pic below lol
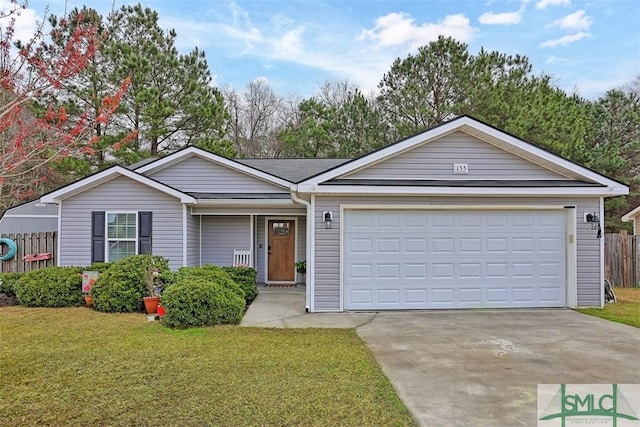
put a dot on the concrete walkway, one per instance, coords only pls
(283, 307)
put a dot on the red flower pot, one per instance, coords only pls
(151, 304)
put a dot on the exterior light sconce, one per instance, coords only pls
(328, 219)
(594, 220)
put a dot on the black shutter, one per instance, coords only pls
(97, 237)
(144, 232)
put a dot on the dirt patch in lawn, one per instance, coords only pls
(7, 300)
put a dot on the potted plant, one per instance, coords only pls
(152, 301)
(301, 268)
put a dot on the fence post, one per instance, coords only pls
(625, 258)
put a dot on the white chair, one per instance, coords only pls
(241, 258)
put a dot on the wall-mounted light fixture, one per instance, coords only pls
(328, 219)
(594, 220)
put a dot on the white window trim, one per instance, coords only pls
(107, 240)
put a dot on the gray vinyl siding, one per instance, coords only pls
(32, 217)
(193, 240)
(327, 242)
(260, 249)
(435, 159)
(221, 235)
(199, 175)
(588, 258)
(327, 255)
(120, 195)
(301, 254)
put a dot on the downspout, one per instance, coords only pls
(310, 263)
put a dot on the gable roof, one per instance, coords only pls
(191, 151)
(293, 170)
(483, 132)
(107, 175)
(631, 216)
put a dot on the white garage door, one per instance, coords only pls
(420, 259)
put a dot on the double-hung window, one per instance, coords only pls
(122, 233)
(115, 235)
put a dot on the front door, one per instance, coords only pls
(281, 250)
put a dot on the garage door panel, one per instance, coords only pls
(470, 245)
(388, 246)
(470, 295)
(447, 259)
(416, 296)
(360, 297)
(415, 271)
(415, 246)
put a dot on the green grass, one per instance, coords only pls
(626, 310)
(75, 366)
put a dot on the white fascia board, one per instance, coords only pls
(195, 151)
(529, 148)
(467, 191)
(631, 216)
(107, 175)
(473, 127)
(245, 202)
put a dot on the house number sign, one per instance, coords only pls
(460, 168)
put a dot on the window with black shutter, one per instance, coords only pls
(116, 235)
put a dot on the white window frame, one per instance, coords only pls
(108, 240)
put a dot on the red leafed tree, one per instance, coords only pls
(34, 135)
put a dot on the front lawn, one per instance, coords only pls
(76, 366)
(626, 310)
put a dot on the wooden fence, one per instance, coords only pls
(35, 250)
(622, 259)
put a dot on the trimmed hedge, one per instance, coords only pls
(246, 278)
(122, 285)
(9, 283)
(50, 287)
(195, 301)
(100, 267)
(212, 273)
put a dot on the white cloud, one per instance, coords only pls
(565, 40)
(542, 4)
(555, 60)
(574, 22)
(399, 29)
(26, 21)
(290, 42)
(262, 79)
(505, 18)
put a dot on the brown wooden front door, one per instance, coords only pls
(281, 248)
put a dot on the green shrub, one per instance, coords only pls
(9, 283)
(51, 287)
(123, 284)
(212, 273)
(246, 278)
(100, 267)
(197, 301)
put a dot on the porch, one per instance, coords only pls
(271, 242)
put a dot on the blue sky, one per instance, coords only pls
(587, 46)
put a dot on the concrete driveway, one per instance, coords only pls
(481, 368)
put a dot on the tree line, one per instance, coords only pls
(169, 102)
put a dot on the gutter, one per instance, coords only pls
(310, 263)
